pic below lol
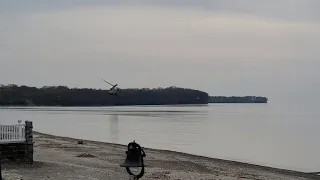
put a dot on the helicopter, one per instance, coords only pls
(114, 90)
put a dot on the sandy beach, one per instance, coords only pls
(62, 158)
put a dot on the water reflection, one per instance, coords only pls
(114, 128)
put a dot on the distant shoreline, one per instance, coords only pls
(137, 105)
(237, 102)
(13, 95)
(237, 99)
(144, 105)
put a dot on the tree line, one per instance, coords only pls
(237, 99)
(13, 95)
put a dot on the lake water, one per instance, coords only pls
(283, 136)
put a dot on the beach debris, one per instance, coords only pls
(87, 155)
(315, 173)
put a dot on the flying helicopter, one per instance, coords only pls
(114, 90)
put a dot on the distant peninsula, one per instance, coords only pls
(237, 99)
(13, 95)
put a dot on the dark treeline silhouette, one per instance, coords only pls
(234, 99)
(13, 95)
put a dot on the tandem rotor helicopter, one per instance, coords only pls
(114, 90)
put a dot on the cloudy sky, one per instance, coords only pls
(223, 47)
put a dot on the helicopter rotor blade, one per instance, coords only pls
(107, 82)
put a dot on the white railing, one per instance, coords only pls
(12, 133)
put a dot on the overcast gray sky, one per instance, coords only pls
(223, 47)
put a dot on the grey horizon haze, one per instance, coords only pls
(222, 47)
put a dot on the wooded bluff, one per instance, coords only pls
(13, 95)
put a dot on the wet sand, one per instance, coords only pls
(62, 158)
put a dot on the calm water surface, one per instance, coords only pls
(274, 135)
